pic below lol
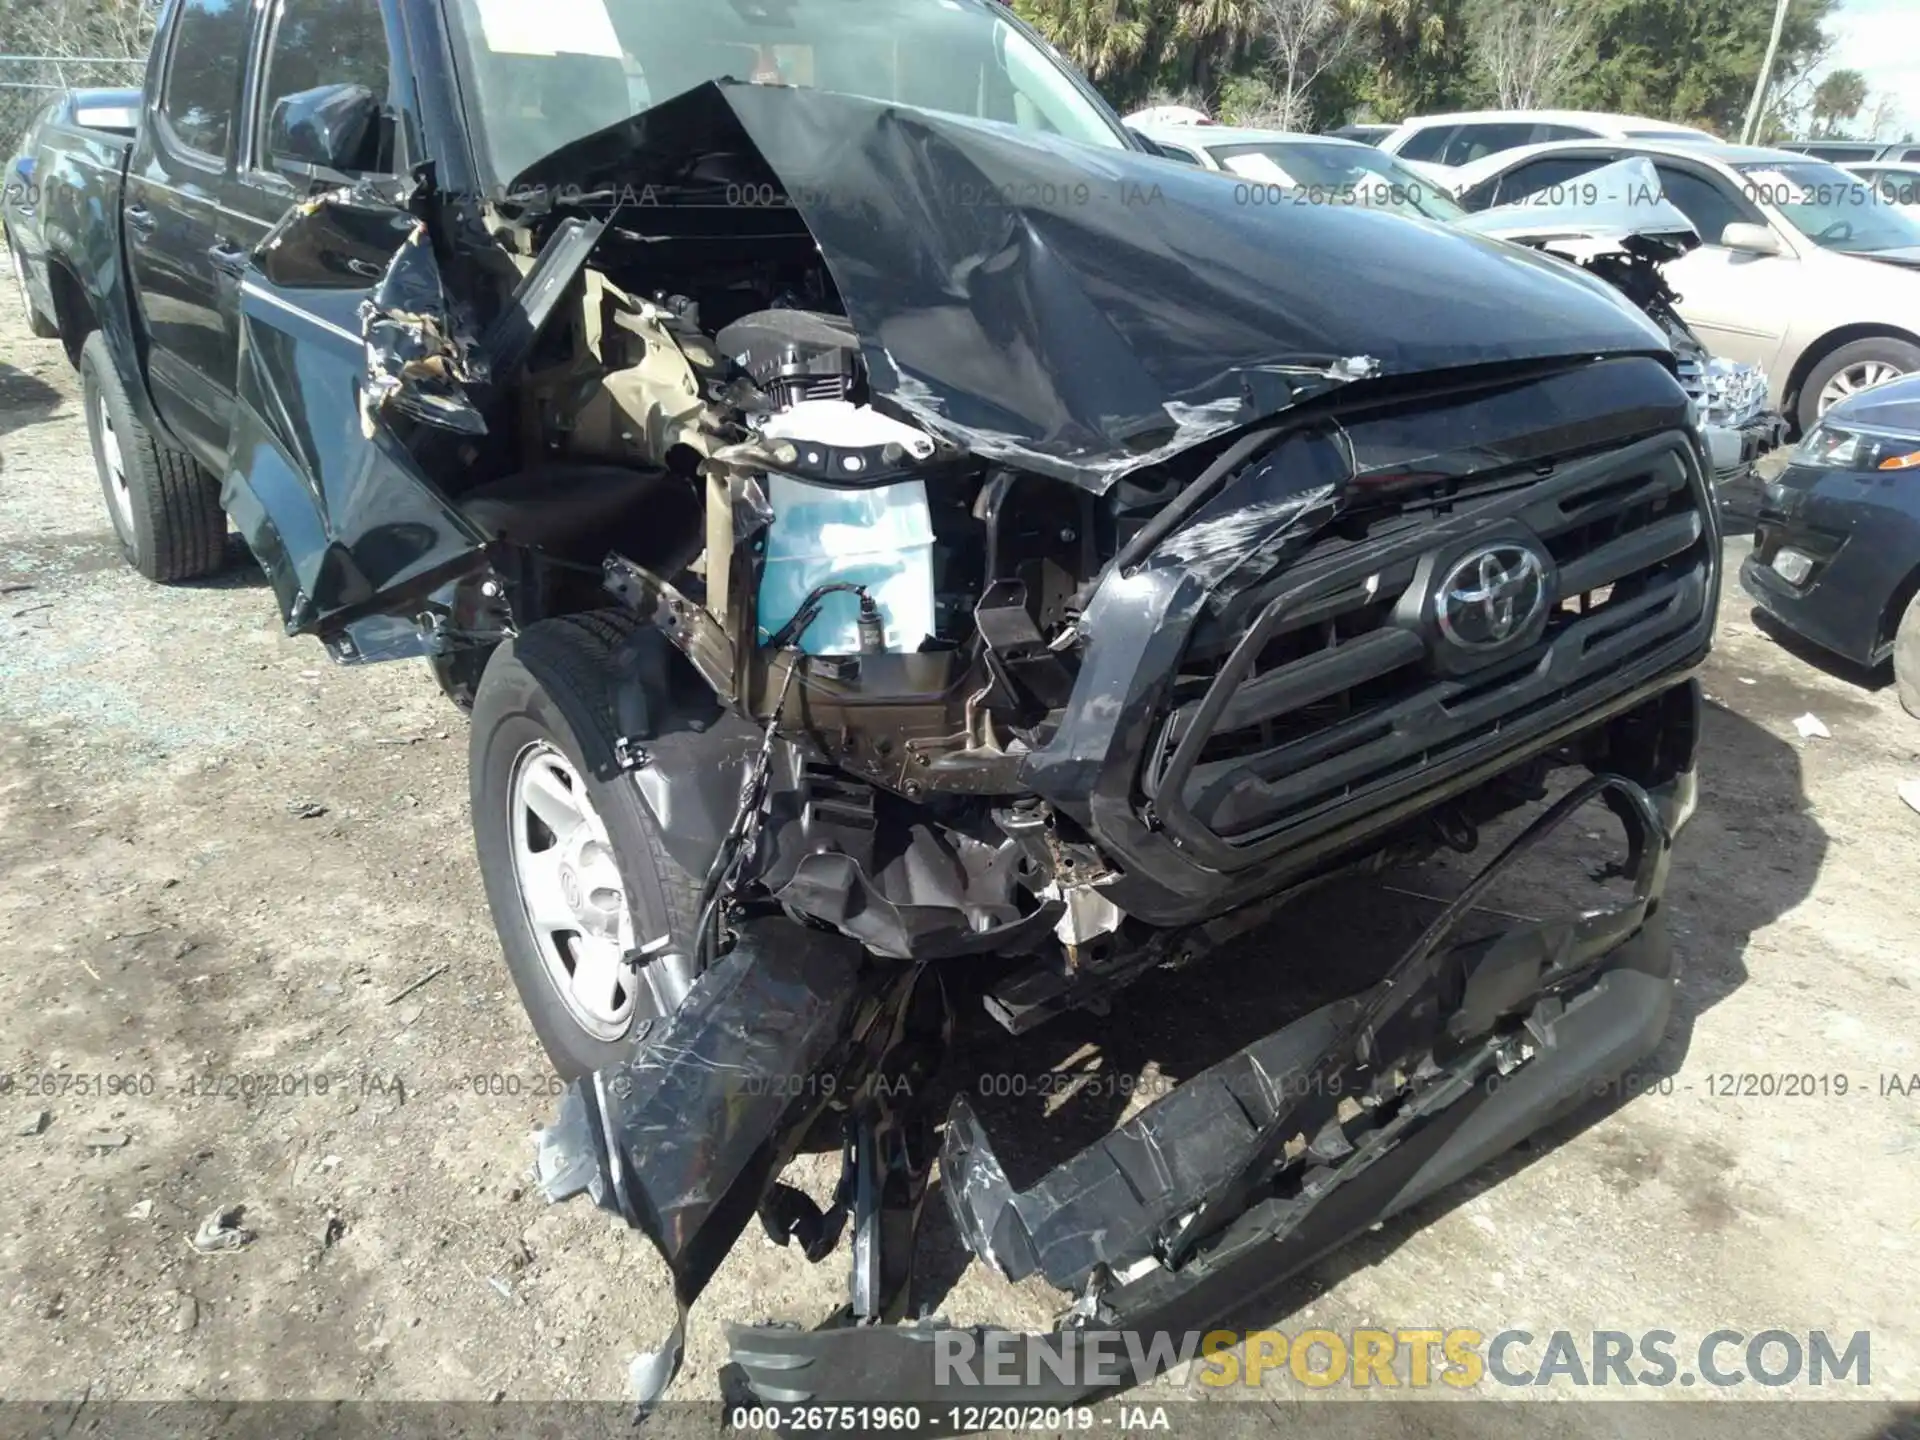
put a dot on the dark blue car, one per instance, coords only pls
(1836, 557)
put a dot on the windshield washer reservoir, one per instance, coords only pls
(880, 537)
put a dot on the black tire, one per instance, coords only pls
(538, 688)
(40, 325)
(1881, 349)
(1906, 659)
(171, 526)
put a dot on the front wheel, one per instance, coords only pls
(577, 876)
(1853, 368)
(165, 509)
(1906, 659)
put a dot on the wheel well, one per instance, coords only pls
(1896, 607)
(72, 311)
(1830, 342)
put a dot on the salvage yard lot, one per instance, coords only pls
(227, 866)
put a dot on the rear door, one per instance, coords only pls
(180, 246)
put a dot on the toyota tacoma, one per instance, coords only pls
(904, 543)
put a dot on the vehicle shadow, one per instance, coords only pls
(24, 400)
(1866, 677)
(1739, 507)
(238, 570)
(1751, 853)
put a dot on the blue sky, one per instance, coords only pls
(1882, 39)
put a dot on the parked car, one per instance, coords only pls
(900, 540)
(1441, 144)
(108, 111)
(1804, 270)
(1896, 184)
(1607, 226)
(1168, 115)
(1313, 169)
(1836, 554)
(1365, 134)
(1851, 152)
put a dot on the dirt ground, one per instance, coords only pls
(168, 920)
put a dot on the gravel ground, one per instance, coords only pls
(166, 915)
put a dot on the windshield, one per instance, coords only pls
(1830, 207)
(542, 73)
(1336, 175)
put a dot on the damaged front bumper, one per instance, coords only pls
(1734, 450)
(1202, 1202)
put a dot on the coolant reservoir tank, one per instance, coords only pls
(880, 537)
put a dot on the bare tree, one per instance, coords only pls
(66, 29)
(1302, 41)
(1884, 118)
(1530, 49)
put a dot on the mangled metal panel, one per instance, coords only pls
(420, 347)
(1605, 205)
(1080, 311)
(343, 298)
(684, 1137)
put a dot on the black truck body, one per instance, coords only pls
(1226, 557)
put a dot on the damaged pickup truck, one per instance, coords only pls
(904, 544)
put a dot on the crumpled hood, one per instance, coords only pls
(1605, 205)
(1082, 311)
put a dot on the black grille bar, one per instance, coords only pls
(1341, 690)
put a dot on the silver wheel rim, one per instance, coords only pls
(1864, 376)
(571, 892)
(116, 472)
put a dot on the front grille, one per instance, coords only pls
(1692, 372)
(1337, 688)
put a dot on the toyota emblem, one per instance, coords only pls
(1490, 595)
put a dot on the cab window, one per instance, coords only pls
(1426, 144)
(1530, 179)
(1472, 142)
(324, 42)
(203, 74)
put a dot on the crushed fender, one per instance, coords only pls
(685, 1137)
(419, 361)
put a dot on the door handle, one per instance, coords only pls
(227, 256)
(139, 220)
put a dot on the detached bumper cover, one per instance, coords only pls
(1735, 449)
(1240, 1177)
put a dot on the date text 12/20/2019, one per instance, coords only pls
(943, 1419)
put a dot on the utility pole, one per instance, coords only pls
(1766, 73)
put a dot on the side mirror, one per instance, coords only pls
(330, 128)
(1750, 239)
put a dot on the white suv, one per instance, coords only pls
(1441, 143)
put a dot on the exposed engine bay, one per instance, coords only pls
(1055, 591)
